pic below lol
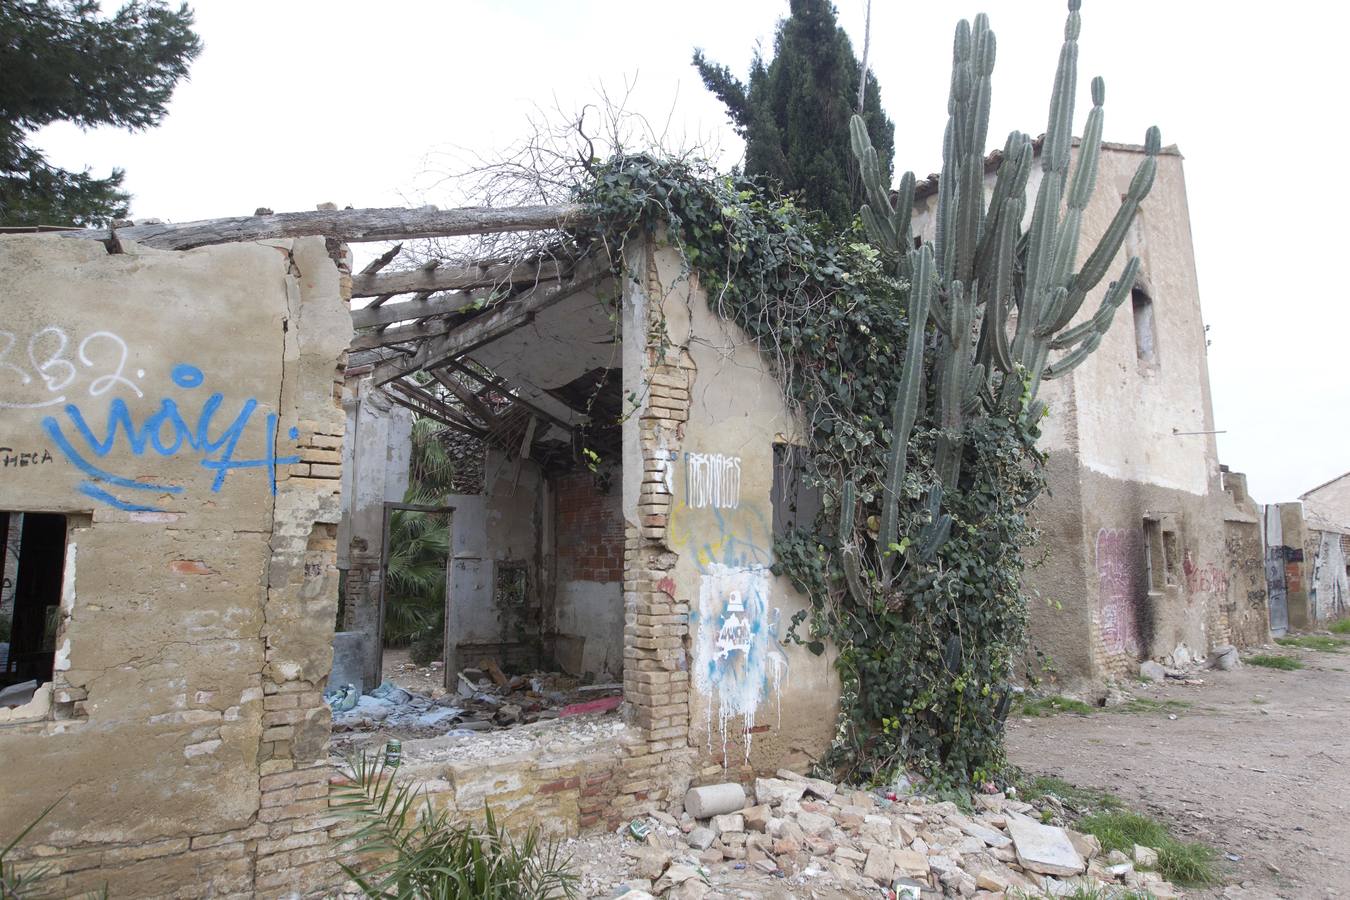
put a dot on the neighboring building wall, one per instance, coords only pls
(1245, 614)
(588, 600)
(374, 472)
(1328, 506)
(188, 403)
(1142, 444)
(1329, 593)
(494, 533)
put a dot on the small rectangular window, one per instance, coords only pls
(795, 503)
(1154, 555)
(32, 563)
(1145, 332)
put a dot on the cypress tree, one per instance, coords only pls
(793, 112)
(61, 61)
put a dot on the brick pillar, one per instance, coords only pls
(656, 615)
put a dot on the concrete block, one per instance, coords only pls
(714, 800)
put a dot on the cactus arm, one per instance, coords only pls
(996, 319)
(1071, 360)
(848, 548)
(956, 366)
(1094, 268)
(1101, 319)
(907, 399)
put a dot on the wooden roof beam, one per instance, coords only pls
(350, 225)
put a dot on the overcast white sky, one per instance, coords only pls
(298, 102)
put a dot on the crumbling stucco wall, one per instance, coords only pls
(184, 408)
(712, 411)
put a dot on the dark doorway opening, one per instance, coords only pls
(32, 559)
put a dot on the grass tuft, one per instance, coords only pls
(1179, 861)
(1036, 707)
(1147, 704)
(1313, 642)
(1043, 785)
(1270, 661)
(1341, 627)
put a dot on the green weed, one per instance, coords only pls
(1146, 704)
(1270, 661)
(1179, 861)
(1072, 795)
(1341, 627)
(1313, 642)
(1037, 707)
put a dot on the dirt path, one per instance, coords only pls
(1258, 766)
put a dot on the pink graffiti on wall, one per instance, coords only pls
(1204, 577)
(1121, 587)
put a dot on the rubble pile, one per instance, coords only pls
(486, 700)
(841, 842)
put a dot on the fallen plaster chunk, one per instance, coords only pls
(205, 748)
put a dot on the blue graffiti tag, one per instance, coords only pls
(167, 432)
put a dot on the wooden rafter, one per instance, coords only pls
(443, 413)
(401, 335)
(453, 279)
(411, 309)
(499, 384)
(351, 225)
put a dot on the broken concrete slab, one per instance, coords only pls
(774, 791)
(1044, 848)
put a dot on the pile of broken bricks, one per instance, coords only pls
(808, 831)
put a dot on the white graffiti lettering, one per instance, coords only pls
(47, 357)
(712, 480)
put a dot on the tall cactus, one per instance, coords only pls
(981, 268)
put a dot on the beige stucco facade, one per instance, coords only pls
(1142, 547)
(183, 409)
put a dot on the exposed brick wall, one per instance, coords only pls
(590, 529)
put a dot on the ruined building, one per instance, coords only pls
(199, 448)
(1307, 545)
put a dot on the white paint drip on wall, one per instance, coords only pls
(712, 480)
(738, 661)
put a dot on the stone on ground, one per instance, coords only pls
(701, 838)
(1146, 857)
(1044, 848)
(1152, 671)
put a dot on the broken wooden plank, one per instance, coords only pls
(435, 408)
(604, 704)
(471, 401)
(380, 261)
(454, 279)
(401, 335)
(351, 225)
(408, 403)
(411, 309)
